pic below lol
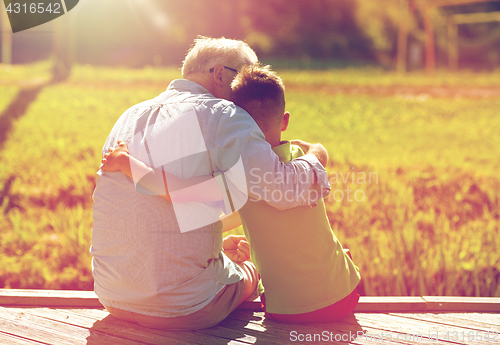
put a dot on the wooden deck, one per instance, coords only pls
(76, 317)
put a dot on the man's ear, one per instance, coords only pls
(284, 124)
(217, 75)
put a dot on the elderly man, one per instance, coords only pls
(161, 265)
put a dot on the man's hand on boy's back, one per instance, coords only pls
(317, 150)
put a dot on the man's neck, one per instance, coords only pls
(273, 140)
(201, 80)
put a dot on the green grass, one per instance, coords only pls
(125, 76)
(25, 73)
(379, 77)
(428, 223)
(388, 132)
(431, 219)
(51, 158)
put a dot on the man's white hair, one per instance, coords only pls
(208, 52)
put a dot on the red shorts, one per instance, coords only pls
(333, 312)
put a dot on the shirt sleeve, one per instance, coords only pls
(300, 182)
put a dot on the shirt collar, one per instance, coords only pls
(283, 151)
(187, 85)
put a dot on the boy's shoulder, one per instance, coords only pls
(287, 152)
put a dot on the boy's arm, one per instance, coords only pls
(119, 159)
(236, 248)
(231, 221)
(300, 182)
(317, 150)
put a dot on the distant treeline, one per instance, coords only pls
(135, 33)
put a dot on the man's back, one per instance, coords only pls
(142, 262)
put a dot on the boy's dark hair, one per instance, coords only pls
(261, 93)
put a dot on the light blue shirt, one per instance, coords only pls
(142, 262)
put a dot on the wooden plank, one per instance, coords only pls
(251, 305)
(49, 298)
(59, 315)
(246, 327)
(266, 331)
(42, 330)
(234, 332)
(170, 337)
(487, 318)
(389, 304)
(244, 331)
(69, 298)
(392, 332)
(80, 324)
(419, 329)
(452, 320)
(110, 326)
(13, 340)
(373, 330)
(220, 334)
(97, 314)
(369, 333)
(463, 304)
(99, 320)
(347, 328)
(193, 338)
(88, 299)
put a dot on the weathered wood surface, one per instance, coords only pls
(88, 299)
(42, 325)
(449, 303)
(408, 322)
(49, 298)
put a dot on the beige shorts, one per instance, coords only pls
(227, 300)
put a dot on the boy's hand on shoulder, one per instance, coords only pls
(317, 150)
(236, 248)
(304, 145)
(115, 158)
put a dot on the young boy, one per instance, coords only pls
(306, 274)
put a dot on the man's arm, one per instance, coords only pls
(300, 182)
(199, 188)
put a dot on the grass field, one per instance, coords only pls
(427, 223)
